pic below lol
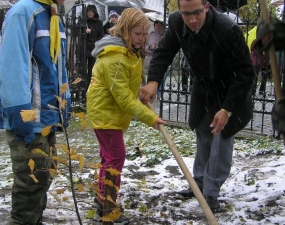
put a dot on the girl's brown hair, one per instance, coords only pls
(130, 18)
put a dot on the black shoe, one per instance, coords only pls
(213, 202)
(99, 210)
(188, 193)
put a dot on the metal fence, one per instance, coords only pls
(174, 103)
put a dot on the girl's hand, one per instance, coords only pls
(158, 121)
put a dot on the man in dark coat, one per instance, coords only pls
(221, 103)
(94, 32)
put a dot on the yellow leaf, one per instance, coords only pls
(100, 196)
(63, 104)
(108, 182)
(63, 88)
(73, 114)
(81, 162)
(83, 124)
(95, 166)
(77, 80)
(75, 157)
(59, 160)
(64, 147)
(60, 191)
(57, 146)
(96, 175)
(72, 151)
(58, 125)
(90, 214)
(55, 196)
(94, 186)
(109, 198)
(117, 188)
(59, 99)
(65, 198)
(113, 171)
(46, 131)
(29, 115)
(81, 115)
(52, 172)
(50, 151)
(34, 178)
(112, 216)
(39, 151)
(80, 159)
(31, 165)
(80, 187)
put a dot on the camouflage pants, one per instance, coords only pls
(28, 197)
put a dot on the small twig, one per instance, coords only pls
(70, 172)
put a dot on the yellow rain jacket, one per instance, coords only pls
(112, 96)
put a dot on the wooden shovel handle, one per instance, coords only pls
(202, 202)
(272, 56)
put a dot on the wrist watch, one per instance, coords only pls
(227, 112)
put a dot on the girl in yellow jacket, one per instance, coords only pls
(112, 96)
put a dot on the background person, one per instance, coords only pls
(186, 75)
(261, 63)
(221, 98)
(32, 70)
(113, 19)
(94, 32)
(151, 44)
(112, 97)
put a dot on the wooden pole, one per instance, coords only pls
(272, 56)
(199, 196)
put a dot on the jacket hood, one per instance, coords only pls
(108, 40)
(94, 9)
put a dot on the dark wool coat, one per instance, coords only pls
(97, 31)
(221, 64)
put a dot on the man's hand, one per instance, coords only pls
(219, 122)
(148, 92)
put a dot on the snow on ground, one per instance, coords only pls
(254, 193)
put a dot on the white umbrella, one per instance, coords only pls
(234, 17)
(155, 16)
(76, 10)
(277, 3)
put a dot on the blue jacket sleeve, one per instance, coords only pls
(23, 130)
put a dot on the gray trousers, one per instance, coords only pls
(213, 158)
(28, 197)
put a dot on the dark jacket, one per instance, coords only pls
(107, 26)
(221, 64)
(97, 32)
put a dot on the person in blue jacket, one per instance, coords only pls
(32, 72)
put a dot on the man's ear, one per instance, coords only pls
(207, 6)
